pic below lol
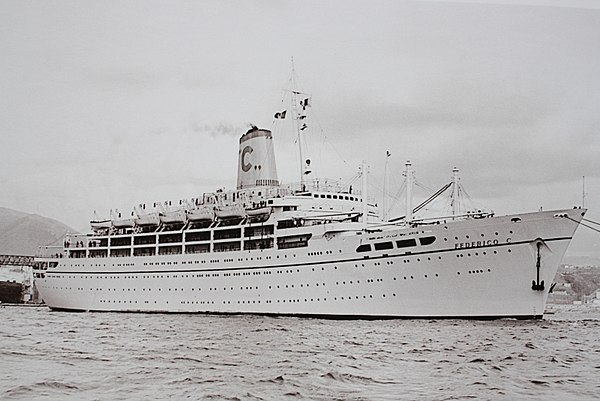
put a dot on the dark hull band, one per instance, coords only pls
(315, 316)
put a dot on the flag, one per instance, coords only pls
(304, 103)
(280, 114)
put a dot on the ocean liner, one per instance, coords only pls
(313, 249)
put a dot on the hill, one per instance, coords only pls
(574, 283)
(22, 233)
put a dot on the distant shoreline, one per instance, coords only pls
(25, 305)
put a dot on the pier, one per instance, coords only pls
(15, 292)
(16, 260)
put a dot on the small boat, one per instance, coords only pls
(259, 212)
(230, 212)
(173, 216)
(124, 223)
(100, 224)
(148, 219)
(201, 214)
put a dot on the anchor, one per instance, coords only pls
(536, 285)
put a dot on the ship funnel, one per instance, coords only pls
(256, 162)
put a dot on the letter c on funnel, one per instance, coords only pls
(246, 166)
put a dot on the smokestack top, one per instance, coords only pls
(255, 132)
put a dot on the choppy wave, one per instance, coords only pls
(48, 356)
(32, 391)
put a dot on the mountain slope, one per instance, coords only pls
(8, 218)
(22, 233)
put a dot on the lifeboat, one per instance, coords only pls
(201, 214)
(230, 212)
(100, 225)
(259, 212)
(120, 222)
(148, 219)
(173, 216)
(124, 223)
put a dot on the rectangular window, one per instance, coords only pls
(198, 236)
(228, 233)
(293, 241)
(382, 246)
(404, 243)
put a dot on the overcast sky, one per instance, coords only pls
(110, 104)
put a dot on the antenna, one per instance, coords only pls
(295, 92)
(408, 173)
(454, 196)
(364, 191)
(300, 100)
(385, 186)
(583, 194)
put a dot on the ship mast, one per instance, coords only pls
(300, 124)
(385, 186)
(364, 192)
(454, 196)
(583, 194)
(408, 173)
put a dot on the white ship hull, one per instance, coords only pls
(474, 268)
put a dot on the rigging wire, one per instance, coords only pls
(591, 221)
(396, 198)
(583, 224)
(432, 197)
(313, 134)
(458, 197)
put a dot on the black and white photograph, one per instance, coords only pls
(299, 200)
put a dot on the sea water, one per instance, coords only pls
(128, 356)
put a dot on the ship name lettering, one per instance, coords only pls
(476, 244)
